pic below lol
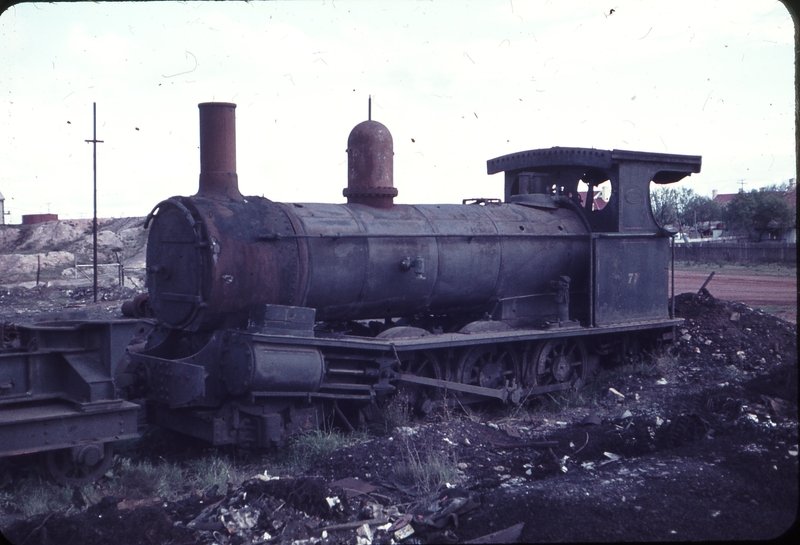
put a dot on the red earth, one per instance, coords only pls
(751, 289)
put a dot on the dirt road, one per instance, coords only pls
(754, 290)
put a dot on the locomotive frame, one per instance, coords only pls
(268, 314)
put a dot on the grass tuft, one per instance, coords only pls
(427, 472)
(306, 449)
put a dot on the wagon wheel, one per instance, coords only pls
(488, 366)
(556, 361)
(79, 465)
(421, 364)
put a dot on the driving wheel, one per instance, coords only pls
(556, 361)
(488, 366)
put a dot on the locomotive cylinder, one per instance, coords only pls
(251, 366)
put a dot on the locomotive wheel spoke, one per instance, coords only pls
(556, 361)
(488, 366)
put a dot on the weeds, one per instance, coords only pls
(661, 362)
(35, 496)
(427, 472)
(210, 471)
(307, 448)
(143, 480)
(397, 412)
(169, 481)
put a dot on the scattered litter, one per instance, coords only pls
(620, 395)
(511, 431)
(404, 532)
(236, 520)
(591, 419)
(265, 476)
(662, 381)
(364, 535)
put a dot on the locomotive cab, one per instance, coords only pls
(628, 250)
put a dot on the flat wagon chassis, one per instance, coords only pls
(58, 396)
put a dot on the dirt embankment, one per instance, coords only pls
(60, 252)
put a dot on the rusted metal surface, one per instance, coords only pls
(138, 307)
(370, 166)
(202, 271)
(432, 258)
(631, 279)
(205, 269)
(218, 178)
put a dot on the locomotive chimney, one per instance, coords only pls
(218, 179)
(370, 166)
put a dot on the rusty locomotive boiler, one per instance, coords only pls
(270, 315)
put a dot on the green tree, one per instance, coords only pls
(759, 211)
(700, 209)
(671, 205)
(663, 203)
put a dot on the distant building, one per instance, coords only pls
(2, 210)
(30, 219)
(601, 197)
(722, 198)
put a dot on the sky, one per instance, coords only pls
(456, 83)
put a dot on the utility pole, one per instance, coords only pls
(94, 142)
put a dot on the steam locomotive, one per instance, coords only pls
(270, 316)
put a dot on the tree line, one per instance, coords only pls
(753, 213)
